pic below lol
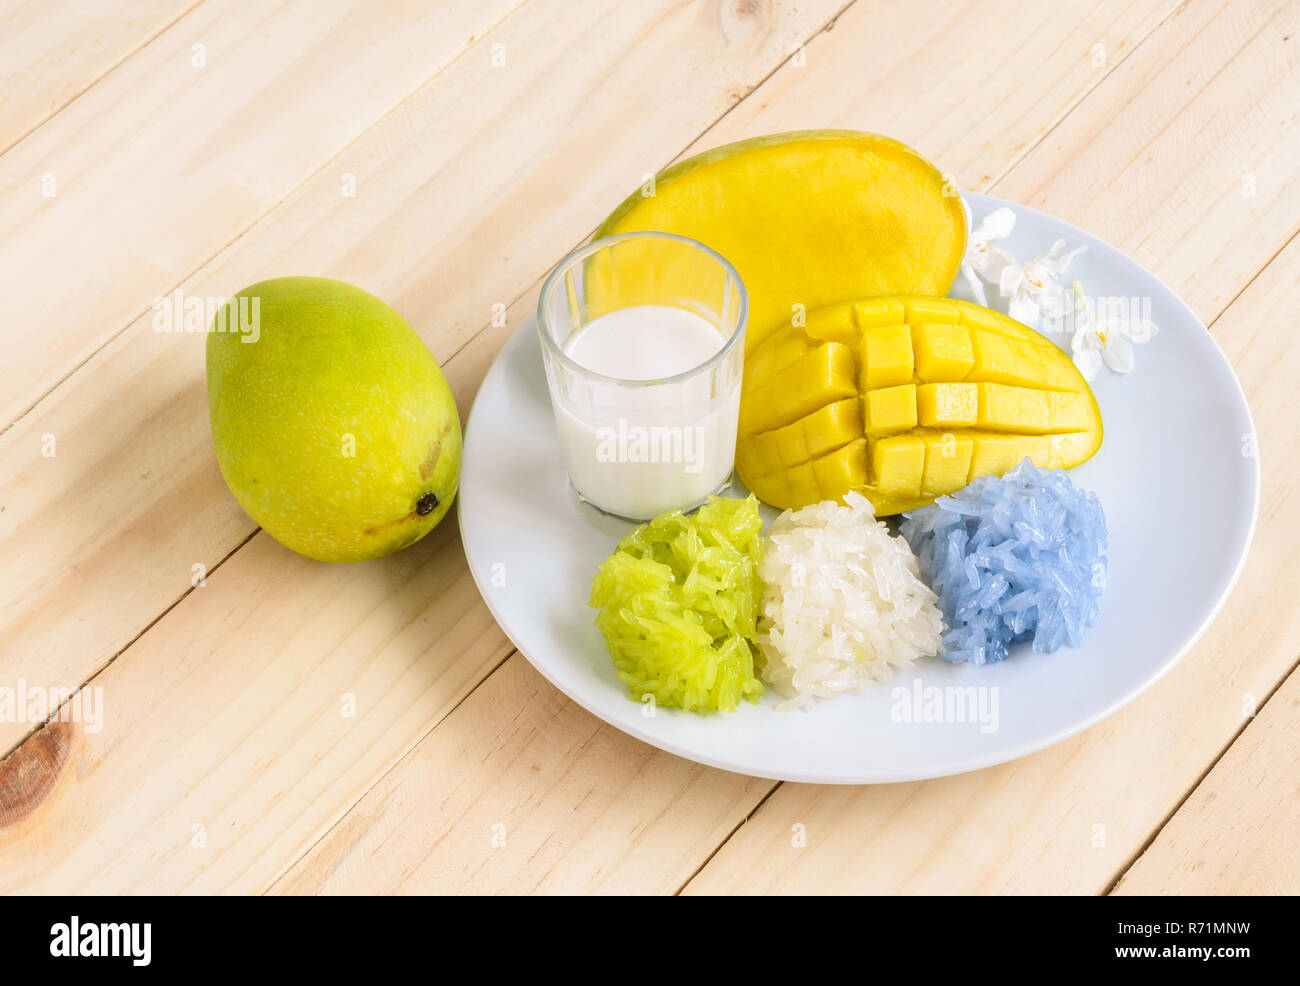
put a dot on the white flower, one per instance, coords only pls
(983, 260)
(1107, 338)
(1035, 288)
(1029, 290)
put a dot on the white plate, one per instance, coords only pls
(1177, 476)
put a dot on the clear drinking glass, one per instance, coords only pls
(646, 399)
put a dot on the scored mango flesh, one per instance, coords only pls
(904, 399)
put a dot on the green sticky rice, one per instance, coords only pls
(678, 603)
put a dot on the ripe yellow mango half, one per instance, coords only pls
(904, 399)
(809, 218)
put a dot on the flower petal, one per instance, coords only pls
(1118, 352)
(990, 262)
(1024, 309)
(1139, 330)
(1053, 300)
(1010, 278)
(1057, 264)
(997, 225)
(1088, 360)
(975, 285)
(1083, 338)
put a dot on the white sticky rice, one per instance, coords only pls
(844, 607)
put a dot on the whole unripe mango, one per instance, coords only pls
(333, 425)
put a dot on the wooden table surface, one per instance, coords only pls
(269, 724)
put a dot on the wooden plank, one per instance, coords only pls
(1237, 834)
(1069, 819)
(135, 185)
(258, 756)
(86, 565)
(52, 52)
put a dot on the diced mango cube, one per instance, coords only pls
(840, 471)
(947, 461)
(803, 484)
(890, 410)
(834, 324)
(939, 311)
(773, 487)
(754, 458)
(943, 352)
(1063, 451)
(1030, 411)
(977, 317)
(897, 464)
(823, 430)
(877, 311)
(1002, 359)
(793, 484)
(886, 357)
(995, 454)
(1069, 411)
(947, 405)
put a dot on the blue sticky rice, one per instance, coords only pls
(1012, 558)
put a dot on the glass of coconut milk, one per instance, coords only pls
(643, 338)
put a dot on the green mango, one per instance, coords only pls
(333, 425)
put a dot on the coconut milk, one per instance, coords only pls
(637, 451)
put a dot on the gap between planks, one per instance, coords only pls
(1173, 12)
(127, 646)
(126, 56)
(1155, 834)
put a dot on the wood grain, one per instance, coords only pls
(52, 52)
(1208, 139)
(973, 86)
(1186, 71)
(547, 799)
(136, 184)
(1239, 832)
(257, 710)
(227, 752)
(1236, 833)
